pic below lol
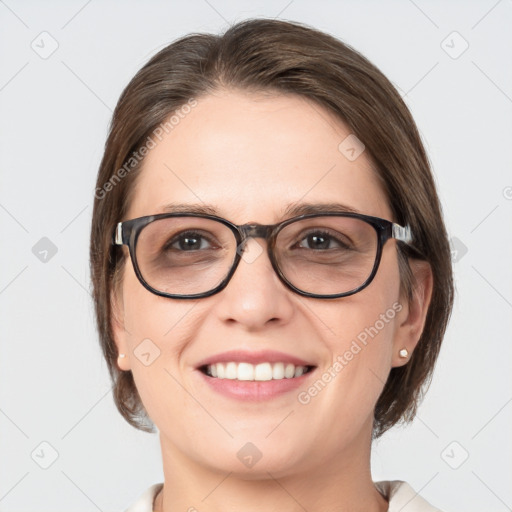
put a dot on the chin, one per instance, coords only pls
(253, 460)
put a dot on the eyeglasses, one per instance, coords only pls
(321, 255)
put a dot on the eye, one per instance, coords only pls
(322, 240)
(189, 241)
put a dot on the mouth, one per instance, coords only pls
(244, 371)
(254, 375)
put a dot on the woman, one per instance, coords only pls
(271, 271)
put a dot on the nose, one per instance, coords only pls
(255, 296)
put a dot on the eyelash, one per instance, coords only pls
(189, 234)
(324, 234)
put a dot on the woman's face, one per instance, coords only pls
(249, 157)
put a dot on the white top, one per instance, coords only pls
(401, 496)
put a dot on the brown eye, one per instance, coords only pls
(189, 241)
(321, 240)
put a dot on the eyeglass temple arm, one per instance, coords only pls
(401, 233)
(118, 239)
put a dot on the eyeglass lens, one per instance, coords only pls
(319, 255)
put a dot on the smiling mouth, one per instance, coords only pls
(255, 372)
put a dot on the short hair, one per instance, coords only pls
(276, 56)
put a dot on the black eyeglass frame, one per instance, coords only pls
(127, 233)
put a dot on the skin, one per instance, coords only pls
(250, 155)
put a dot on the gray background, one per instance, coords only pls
(55, 109)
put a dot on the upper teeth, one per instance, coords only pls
(248, 371)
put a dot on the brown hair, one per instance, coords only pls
(289, 58)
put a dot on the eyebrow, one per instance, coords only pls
(290, 210)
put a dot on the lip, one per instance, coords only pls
(254, 391)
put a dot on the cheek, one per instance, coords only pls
(369, 314)
(344, 394)
(360, 343)
(149, 316)
(157, 329)
(365, 355)
(361, 340)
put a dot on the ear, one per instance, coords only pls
(117, 322)
(411, 319)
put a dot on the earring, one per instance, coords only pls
(122, 355)
(403, 353)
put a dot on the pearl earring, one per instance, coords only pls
(122, 355)
(403, 353)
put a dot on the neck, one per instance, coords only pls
(343, 482)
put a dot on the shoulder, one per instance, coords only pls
(144, 502)
(403, 497)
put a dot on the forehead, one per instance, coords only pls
(250, 156)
